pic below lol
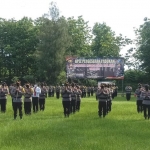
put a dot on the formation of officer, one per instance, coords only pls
(32, 97)
(71, 98)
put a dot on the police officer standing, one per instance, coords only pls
(3, 97)
(102, 96)
(146, 101)
(42, 97)
(28, 99)
(128, 90)
(66, 98)
(57, 91)
(17, 94)
(139, 99)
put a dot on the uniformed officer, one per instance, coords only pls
(17, 94)
(57, 91)
(128, 90)
(145, 95)
(28, 99)
(102, 96)
(139, 99)
(42, 97)
(3, 96)
(66, 99)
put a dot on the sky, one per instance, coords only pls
(121, 15)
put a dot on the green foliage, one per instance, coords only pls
(143, 45)
(15, 79)
(61, 78)
(29, 78)
(105, 42)
(133, 77)
(80, 34)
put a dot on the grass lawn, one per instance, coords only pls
(121, 129)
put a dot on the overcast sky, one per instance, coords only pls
(120, 15)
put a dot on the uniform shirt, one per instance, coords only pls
(28, 95)
(3, 92)
(17, 95)
(43, 93)
(145, 95)
(102, 95)
(138, 93)
(128, 90)
(66, 95)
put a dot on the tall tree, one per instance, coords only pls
(18, 42)
(143, 45)
(54, 40)
(81, 37)
(105, 42)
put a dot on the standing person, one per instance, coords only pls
(53, 91)
(102, 96)
(42, 97)
(11, 87)
(109, 102)
(88, 91)
(73, 99)
(145, 95)
(66, 98)
(79, 93)
(128, 90)
(139, 99)
(17, 93)
(57, 91)
(92, 90)
(35, 98)
(3, 96)
(115, 91)
(50, 91)
(28, 99)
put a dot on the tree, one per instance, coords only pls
(53, 42)
(143, 45)
(18, 44)
(105, 42)
(81, 37)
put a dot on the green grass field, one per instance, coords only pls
(122, 129)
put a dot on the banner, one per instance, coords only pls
(108, 68)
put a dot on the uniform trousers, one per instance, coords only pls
(146, 109)
(139, 105)
(57, 95)
(42, 103)
(17, 106)
(3, 105)
(128, 96)
(35, 101)
(66, 106)
(78, 105)
(102, 108)
(73, 106)
(27, 108)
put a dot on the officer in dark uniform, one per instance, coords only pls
(57, 91)
(128, 90)
(66, 99)
(139, 99)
